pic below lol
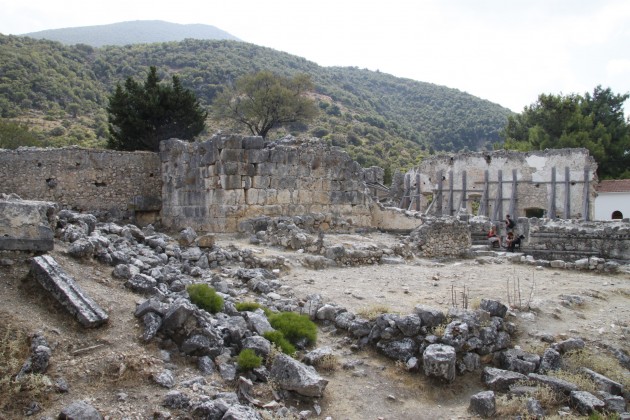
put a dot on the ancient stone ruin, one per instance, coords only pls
(105, 206)
(551, 183)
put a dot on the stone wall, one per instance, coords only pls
(84, 179)
(567, 240)
(557, 183)
(213, 185)
(442, 237)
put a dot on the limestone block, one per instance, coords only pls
(483, 404)
(303, 171)
(311, 184)
(67, 292)
(297, 209)
(304, 196)
(208, 153)
(255, 196)
(230, 168)
(26, 225)
(439, 362)
(248, 169)
(212, 182)
(256, 156)
(253, 142)
(278, 155)
(272, 197)
(261, 182)
(283, 183)
(292, 375)
(284, 197)
(235, 197)
(320, 197)
(266, 168)
(246, 182)
(230, 182)
(230, 142)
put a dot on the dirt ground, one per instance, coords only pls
(110, 367)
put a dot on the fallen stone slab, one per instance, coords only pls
(63, 287)
(558, 385)
(499, 379)
(605, 384)
(585, 402)
(26, 225)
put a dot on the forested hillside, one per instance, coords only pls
(61, 92)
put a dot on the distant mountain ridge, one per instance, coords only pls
(132, 32)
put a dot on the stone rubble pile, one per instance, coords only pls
(514, 367)
(441, 345)
(301, 233)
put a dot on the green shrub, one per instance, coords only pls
(277, 338)
(295, 327)
(247, 360)
(248, 306)
(205, 297)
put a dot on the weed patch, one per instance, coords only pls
(248, 360)
(295, 327)
(205, 297)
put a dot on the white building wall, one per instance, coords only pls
(606, 203)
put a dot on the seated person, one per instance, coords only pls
(509, 239)
(515, 241)
(493, 237)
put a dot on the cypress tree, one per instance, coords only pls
(140, 116)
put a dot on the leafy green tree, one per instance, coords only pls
(14, 135)
(593, 121)
(140, 116)
(263, 100)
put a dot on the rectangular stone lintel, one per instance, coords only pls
(62, 286)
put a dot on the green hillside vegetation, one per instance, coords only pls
(61, 93)
(134, 32)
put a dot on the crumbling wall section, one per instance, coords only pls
(442, 237)
(567, 240)
(559, 183)
(213, 185)
(83, 179)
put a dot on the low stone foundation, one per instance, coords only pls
(567, 240)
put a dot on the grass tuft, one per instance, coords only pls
(295, 327)
(248, 360)
(372, 312)
(279, 341)
(205, 297)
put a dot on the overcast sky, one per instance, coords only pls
(505, 51)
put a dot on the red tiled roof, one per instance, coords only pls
(614, 185)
